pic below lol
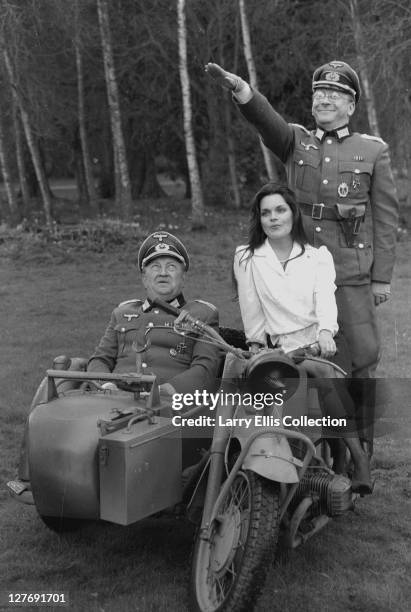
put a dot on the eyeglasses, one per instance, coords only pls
(322, 94)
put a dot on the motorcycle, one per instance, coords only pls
(107, 446)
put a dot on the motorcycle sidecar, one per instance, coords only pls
(110, 455)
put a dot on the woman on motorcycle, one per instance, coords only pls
(286, 294)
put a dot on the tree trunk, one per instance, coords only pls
(231, 157)
(32, 145)
(197, 202)
(91, 202)
(368, 93)
(24, 187)
(248, 54)
(123, 185)
(80, 174)
(7, 180)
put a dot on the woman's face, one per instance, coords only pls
(276, 216)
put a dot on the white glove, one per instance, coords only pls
(225, 79)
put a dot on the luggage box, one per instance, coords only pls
(140, 471)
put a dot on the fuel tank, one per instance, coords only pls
(63, 452)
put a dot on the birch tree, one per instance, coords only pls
(7, 179)
(197, 201)
(18, 137)
(123, 185)
(362, 65)
(88, 170)
(31, 140)
(232, 166)
(252, 72)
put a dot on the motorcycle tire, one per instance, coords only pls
(229, 569)
(62, 524)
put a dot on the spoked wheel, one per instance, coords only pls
(229, 569)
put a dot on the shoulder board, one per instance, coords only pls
(376, 138)
(206, 304)
(135, 302)
(304, 129)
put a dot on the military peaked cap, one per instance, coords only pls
(162, 244)
(337, 75)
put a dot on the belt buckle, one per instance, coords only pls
(317, 211)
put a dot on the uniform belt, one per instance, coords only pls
(319, 211)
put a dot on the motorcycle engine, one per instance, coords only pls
(331, 493)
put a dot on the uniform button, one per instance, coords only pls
(360, 245)
(123, 329)
(150, 324)
(318, 228)
(144, 365)
(329, 141)
(325, 182)
(300, 163)
(156, 312)
(356, 171)
(327, 159)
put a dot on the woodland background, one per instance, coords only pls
(109, 93)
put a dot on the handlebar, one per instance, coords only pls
(208, 334)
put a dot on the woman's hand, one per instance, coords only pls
(254, 348)
(326, 343)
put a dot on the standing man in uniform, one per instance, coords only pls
(344, 185)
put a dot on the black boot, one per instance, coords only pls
(361, 478)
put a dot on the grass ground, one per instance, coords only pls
(361, 562)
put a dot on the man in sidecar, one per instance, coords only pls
(181, 364)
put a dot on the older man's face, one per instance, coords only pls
(332, 109)
(163, 278)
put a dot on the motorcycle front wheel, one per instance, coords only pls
(229, 568)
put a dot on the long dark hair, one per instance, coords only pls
(256, 235)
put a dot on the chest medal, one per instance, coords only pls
(342, 190)
(179, 349)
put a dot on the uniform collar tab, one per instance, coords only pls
(339, 134)
(177, 302)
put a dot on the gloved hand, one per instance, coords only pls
(381, 292)
(225, 79)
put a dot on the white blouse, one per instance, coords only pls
(291, 305)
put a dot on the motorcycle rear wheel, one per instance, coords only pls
(229, 569)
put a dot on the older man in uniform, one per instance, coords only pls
(181, 364)
(344, 185)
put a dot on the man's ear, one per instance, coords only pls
(143, 278)
(351, 108)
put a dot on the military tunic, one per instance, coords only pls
(183, 362)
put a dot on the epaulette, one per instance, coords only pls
(304, 129)
(376, 138)
(207, 304)
(135, 301)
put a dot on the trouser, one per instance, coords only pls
(357, 322)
